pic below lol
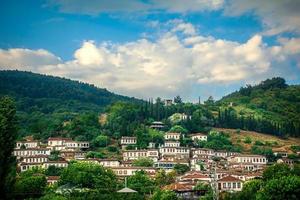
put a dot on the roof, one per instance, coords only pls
(178, 187)
(197, 134)
(195, 176)
(172, 133)
(59, 138)
(229, 179)
(248, 155)
(126, 190)
(128, 137)
(54, 178)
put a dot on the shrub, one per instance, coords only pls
(248, 140)
(258, 143)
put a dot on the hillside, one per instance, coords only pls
(47, 94)
(271, 100)
(46, 104)
(275, 143)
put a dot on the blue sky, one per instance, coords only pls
(154, 48)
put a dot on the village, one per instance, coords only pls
(223, 170)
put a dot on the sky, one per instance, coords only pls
(154, 48)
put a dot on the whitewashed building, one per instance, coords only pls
(172, 136)
(171, 143)
(27, 144)
(199, 137)
(230, 184)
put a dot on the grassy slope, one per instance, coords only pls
(279, 104)
(283, 144)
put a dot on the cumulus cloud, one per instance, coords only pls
(94, 7)
(276, 16)
(172, 64)
(26, 58)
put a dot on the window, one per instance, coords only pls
(238, 185)
(233, 185)
(229, 185)
(224, 185)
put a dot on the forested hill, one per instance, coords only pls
(272, 100)
(48, 93)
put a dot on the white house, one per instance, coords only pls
(35, 159)
(109, 162)
(135, 154)
(199, 137)
(57, 141)
(129, 171)
(27, 144)
(77, 144)
(254, 159)
(230, 183)
(25, 166)
(178, 152)
(19, 153)
(172, 136)
(203, 151)
(56, 163)
(171, 143)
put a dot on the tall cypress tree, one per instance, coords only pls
(8, 135)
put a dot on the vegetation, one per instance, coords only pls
(270, 107)
(279, 182)
(143, 162)
(8, 135)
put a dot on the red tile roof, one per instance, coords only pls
(229, 179)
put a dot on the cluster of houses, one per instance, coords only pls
(32, 153)
(229, 172)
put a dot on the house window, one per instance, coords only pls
(229, 185)
(224, 185)
(238, 185)
(233, 185)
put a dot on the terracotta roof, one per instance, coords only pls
(54, 178)
(229, 179)
(59, 138)
(194, 176)
(178, 187)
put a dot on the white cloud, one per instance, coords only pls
(22, 58)
(164, 67)
(94, 7)
(277, 16)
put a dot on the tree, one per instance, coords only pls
(89, 175)
(141, 182)
(250, 189)
(284, 187)
(164, 195)
(181, 168)
(162, 178)
(143, 162)
(178, 129)
(101, 141)
(31, 183)
(8, 135)
(276, 171)
(177, 99)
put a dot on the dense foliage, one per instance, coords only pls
(44, 102)
(270, 107)
(279, 182)
(8, 135)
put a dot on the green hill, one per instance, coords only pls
(45, 103)
(272, 100)
(36, 92)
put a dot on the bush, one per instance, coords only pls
(112, 148)
(258, 143)
(248, 140)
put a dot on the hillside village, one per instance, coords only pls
(223, 170)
